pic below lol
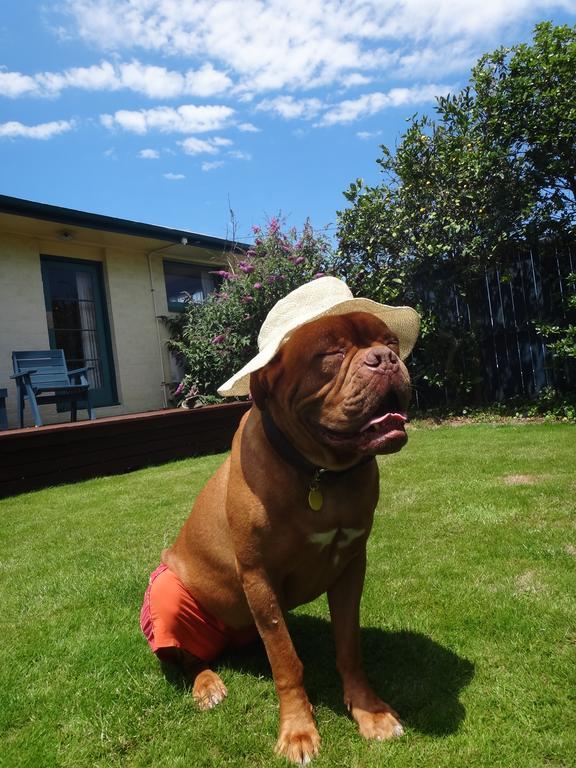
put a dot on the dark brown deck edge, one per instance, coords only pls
(39, 457)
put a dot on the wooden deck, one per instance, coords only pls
(38, 457)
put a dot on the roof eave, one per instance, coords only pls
(73, 218)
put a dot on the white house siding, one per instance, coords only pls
(22, 310)
(133, 329)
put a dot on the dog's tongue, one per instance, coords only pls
(386, 422)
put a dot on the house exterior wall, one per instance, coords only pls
(141, 360)
(137, 355)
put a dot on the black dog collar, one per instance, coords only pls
(288, 452)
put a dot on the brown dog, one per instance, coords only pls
(270, 532)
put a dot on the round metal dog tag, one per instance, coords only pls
(315, 499)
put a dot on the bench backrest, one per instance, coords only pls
(51, 371)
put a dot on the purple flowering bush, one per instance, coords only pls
(215, 338)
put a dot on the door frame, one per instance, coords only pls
(108, 394)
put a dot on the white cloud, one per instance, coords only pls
(371, 103)
(99, 77)
(107, 121)
(354, 79)
(446, 19)
(248, 128)
(194, 146)
(151, 81)
(129, 120)
(365, 135)
(188, 118)
(149, 154)
(290, 108)
(14, 129)
(159, 82)
(267, 45)
(220, 141)
(430, 61)
(268, 56)
(211, 166)
(206, 81)
(154, 82)
(14, 84)
(238, 154)
(174, 176)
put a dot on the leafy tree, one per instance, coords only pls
(366, 257)
(529, 105)
(497, 165)
(215, 338)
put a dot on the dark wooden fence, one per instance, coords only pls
(507, 304)
(530, 291)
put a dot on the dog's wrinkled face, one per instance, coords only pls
(340, 381)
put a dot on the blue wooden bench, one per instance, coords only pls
(46, 371)
(3, 417)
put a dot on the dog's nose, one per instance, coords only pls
(381, 357)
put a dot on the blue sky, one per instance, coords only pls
(171, 111)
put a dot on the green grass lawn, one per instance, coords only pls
(469, 617)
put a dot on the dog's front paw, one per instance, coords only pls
(298, 742)
(208, 690)
(379, 725)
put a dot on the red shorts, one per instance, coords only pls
(171, 618)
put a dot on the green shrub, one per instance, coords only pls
(215, 338)
(561, 339)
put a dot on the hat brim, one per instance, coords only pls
(404, 322)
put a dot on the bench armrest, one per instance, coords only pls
(22, 374)
(78, 375)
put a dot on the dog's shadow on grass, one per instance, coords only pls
(418, 677)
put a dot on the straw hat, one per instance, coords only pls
(319, 298)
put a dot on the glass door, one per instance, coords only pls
(78, 321)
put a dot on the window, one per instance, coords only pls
(187, 282)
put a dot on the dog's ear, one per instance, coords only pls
(263, 381)
(258, 388)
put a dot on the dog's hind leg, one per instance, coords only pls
(208, 689)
